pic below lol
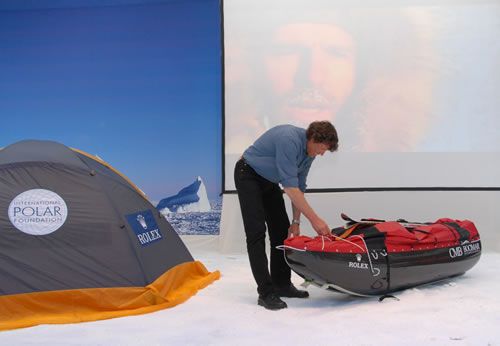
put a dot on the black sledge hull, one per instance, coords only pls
(382, 273)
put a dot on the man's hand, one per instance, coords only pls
(299, 202)
(320, 226)
(294, 230)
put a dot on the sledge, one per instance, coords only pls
(373, 257)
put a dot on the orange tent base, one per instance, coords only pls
(69, 306)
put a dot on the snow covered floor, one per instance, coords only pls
(460, 311)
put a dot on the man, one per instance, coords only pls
(282, 155)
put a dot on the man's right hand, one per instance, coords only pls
(320, 226)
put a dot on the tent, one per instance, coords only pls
(80, 242)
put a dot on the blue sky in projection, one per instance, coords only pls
(138, 85)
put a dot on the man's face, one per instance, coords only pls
(314, 149)
(311, 70)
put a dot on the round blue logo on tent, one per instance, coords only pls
(38, 212)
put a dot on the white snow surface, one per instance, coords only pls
(464, 310)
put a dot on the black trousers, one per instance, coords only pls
(262, 204)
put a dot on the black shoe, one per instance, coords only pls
(291, 292)
(271, 302)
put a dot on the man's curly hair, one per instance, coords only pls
(323, 132)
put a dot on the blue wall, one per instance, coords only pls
(138, 84)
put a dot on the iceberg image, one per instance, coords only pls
(192, 198)
(191, 212)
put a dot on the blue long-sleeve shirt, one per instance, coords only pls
(280, 156)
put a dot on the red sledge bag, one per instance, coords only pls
(377, 257)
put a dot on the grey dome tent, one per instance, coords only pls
(80, 242)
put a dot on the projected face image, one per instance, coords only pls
(371, 72)
(311, 71)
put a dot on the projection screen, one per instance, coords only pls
(413, 89)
